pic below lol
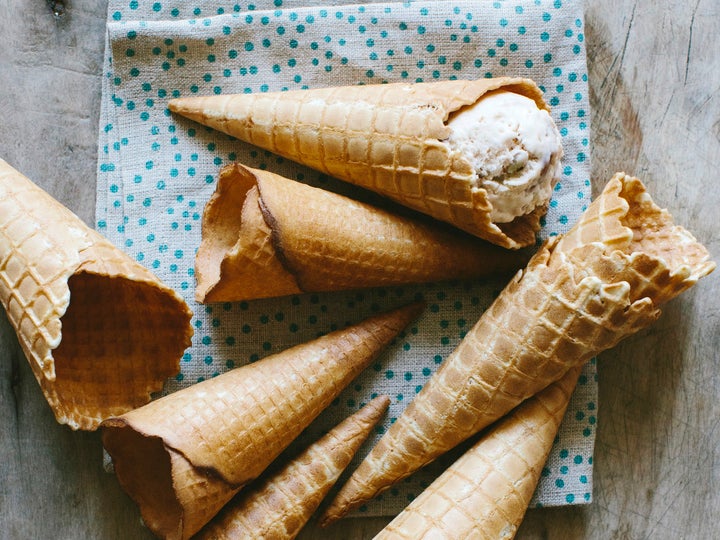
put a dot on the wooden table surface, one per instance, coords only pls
(654, 72)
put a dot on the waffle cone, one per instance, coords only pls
(75, 300)
(182, 457)
(279, 504)
(578, 296)
(485, 493)
(387, 138)
(291, 238)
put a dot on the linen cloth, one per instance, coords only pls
(156, 171)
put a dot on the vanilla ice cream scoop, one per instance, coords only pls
(515, 149)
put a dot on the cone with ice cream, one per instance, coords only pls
(281, 502)
(99, 330)
(184, 456)
(580, 295)
(264, 235)
(486, 492)
(482, 155)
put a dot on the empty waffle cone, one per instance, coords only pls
(99, 330)
(184, 456)
(282, 501)
(579, 295)
(393, 139)
(264, 236)
(486, 492)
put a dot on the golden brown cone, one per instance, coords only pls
(182, 457)
(578, 296)
(281, 502)
(388, 138)
(485, 493)
(291, 238)
(99, 330)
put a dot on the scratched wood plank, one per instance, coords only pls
(654, 78)
(52, 484)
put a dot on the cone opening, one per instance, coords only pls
(221, 222)
(120, 340)
(625, 237)
(655, 234)
(143, 468)
(237, 244)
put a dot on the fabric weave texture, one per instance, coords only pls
(156, 171)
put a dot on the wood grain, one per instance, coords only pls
(654, 73)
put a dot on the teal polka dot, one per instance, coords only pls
(290, 49)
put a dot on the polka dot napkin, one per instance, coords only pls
(156, 171)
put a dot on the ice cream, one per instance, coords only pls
(515, 149)
(395, 139)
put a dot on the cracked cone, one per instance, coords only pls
(485, 493)
(281, 503)
(99, 330)
(579, 296)
(389, 138)
(265, 236)
(182, 457)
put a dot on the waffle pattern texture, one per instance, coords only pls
(202, 444)
(71, 297)
(579, 295)
(268, 236)
(156, 172)
(387, 138)
(485, 493)
(282, 501)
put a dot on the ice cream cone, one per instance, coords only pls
(99, 330)
(391, 138)
(485, 493)
(281, 502)
(578, 296)
(182, 457)
(291, 238)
